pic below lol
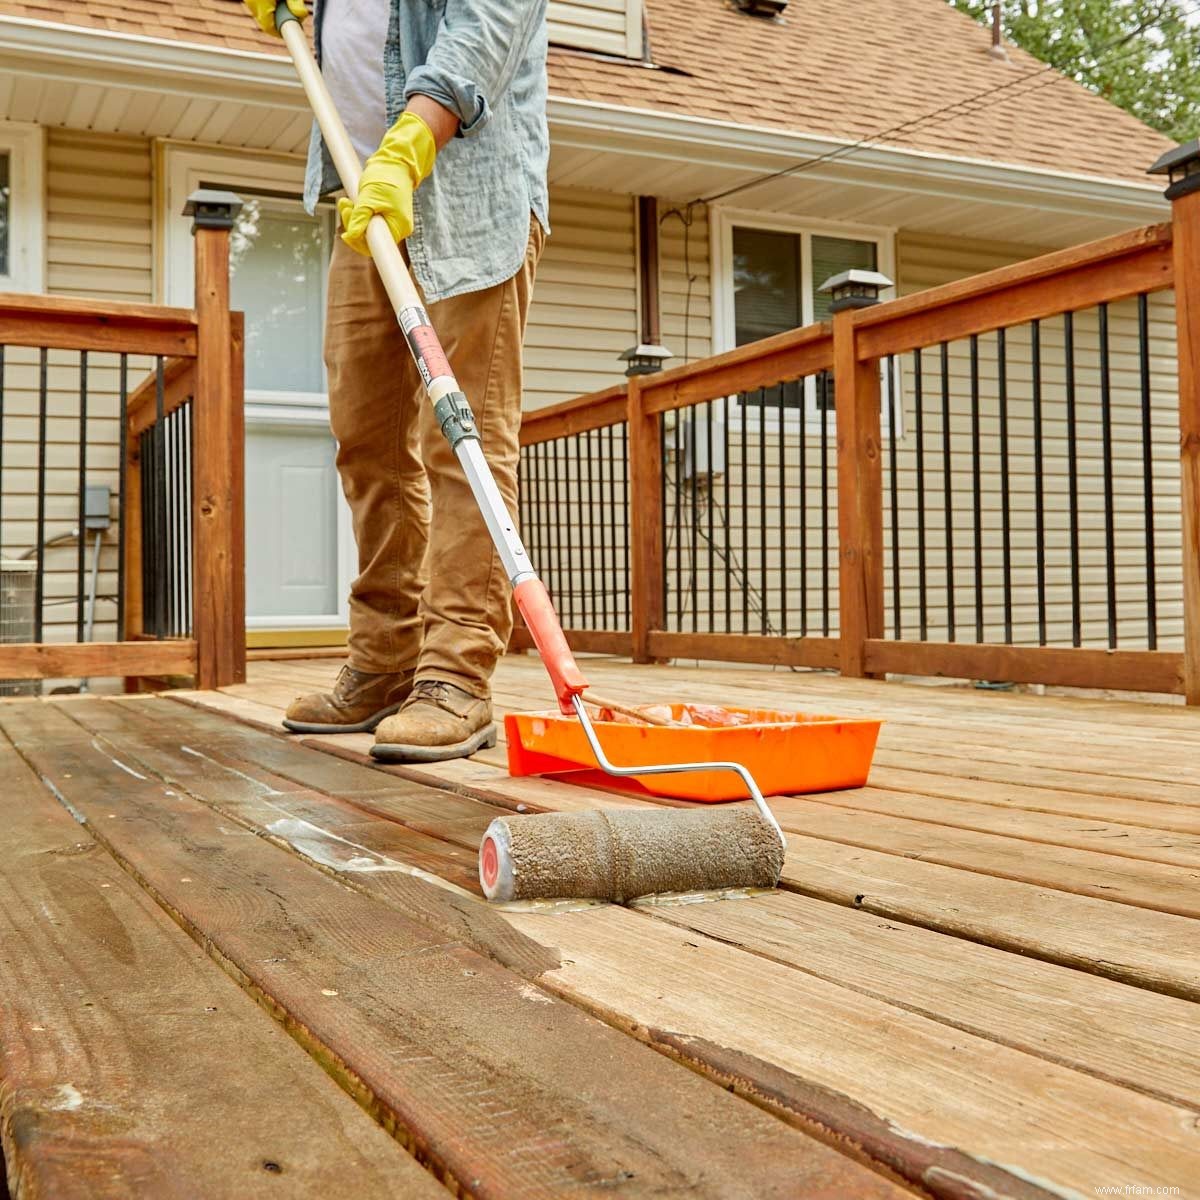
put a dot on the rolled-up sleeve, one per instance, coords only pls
(480, 44)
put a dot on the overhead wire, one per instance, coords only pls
(1039, 77)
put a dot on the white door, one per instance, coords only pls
(299, 546)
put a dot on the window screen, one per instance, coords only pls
(277, 258)
(5, 269)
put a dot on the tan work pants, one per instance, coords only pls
(431, 592)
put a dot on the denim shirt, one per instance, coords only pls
(484, 60)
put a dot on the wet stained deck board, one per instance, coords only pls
(111, 1024)
(491, 1081)
(722, 1029)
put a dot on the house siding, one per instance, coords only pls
(98, 245)
(604, 26)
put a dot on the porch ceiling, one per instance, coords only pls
(74, 78)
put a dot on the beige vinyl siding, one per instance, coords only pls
(604, 26)
(98, 245)
(584, 311)
(685, 291)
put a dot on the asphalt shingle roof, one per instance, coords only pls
(840, 68)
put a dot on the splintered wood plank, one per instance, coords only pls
(867, 1066)
(491, 1081)
(129, 1062)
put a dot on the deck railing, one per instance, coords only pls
(1003, 472)
(121, 485)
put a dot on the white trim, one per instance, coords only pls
(634, 37)
(727, 149)
(183, 168)
(25, 146)
(722, 221)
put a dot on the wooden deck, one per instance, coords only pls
(979, 979)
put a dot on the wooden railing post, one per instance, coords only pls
(1183, 167)
(219, 619)
(860, 481)
(645, 522)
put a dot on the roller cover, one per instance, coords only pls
(625, 853)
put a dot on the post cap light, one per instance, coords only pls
(855, 288)
(1182, 168)
(644, 359)
(211, 208)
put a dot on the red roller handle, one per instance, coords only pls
(542, 622)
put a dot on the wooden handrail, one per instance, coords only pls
(179, 385)
(65, 323)
(779, 359)
(1108, 270)
(577, 415)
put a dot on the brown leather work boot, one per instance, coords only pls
(357, 703)
(438, 721)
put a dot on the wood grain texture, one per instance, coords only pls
(859, 499)
(1131, 670)
(62, 323)
(97, 660)
(1186, 220)
(489, 1080)
(646, 564)
(129, 1065)
(869, 1063)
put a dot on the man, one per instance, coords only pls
(462, 83)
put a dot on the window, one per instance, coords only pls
(773, 275)
(21, 218)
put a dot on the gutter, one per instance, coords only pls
(161, 65)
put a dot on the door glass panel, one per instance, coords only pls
(277, 262)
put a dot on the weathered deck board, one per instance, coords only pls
(620, 960)
(111, 1023)
(489, 1079)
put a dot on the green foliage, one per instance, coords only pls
(1143, 55)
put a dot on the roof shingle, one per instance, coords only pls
(837, 68)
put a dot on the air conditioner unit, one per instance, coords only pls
(18, 590)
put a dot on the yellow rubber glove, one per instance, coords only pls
(264, 13)
(404, 158)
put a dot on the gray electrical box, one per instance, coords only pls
(96, 497)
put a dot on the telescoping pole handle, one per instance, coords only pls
(450, 406)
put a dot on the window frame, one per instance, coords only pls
(25, 146)
(722, 222)
(183, 167)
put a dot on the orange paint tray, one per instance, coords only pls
(787, 753)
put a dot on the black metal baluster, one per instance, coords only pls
(710, 483)
(678, 482)
(976, 489)
(39, 584)
(694, 491)
(919, 416)
(1005, 486)
(728, 628)
(947, 491)
(557, 527)
(1147, 469)
(745, 547)
(82, 538)
(160, 565)
(803, 448)
(626, 531)
(588, 453)
(894, 487)
(1072, 478)
(762, 507)
(181, 440)
(1110, 537)
(189, 442)
(611, 575)
(1039, 480)
(783, 492)
(122, 493)
(823, 416)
